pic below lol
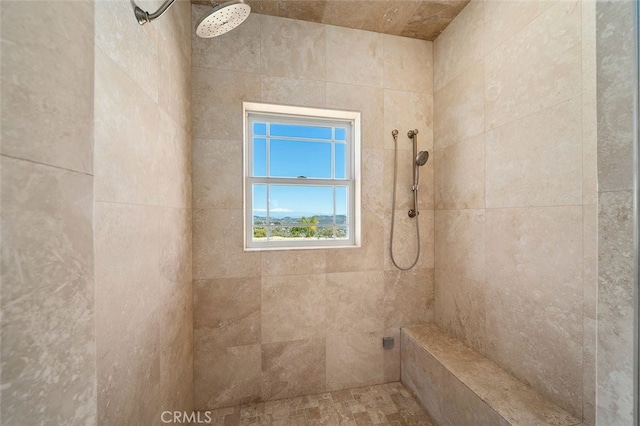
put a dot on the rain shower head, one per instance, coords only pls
(422, 158)
(222, 18)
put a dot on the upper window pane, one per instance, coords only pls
(299, 159)
(341, 134)
(300, 131)
(259, 157)
(260, 129)
(340, 164)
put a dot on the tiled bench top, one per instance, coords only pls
(513, 400)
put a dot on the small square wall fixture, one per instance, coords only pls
(387, 342)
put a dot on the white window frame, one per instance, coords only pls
(352, 161)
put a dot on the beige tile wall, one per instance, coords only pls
(616, 73)
(142, 211)
(47, 329)
(515, 182)
(286, 323)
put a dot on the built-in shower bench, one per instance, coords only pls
(459, 387)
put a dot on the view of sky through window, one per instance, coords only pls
(299, 152)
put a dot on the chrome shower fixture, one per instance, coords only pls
(222, 18)
(419, 159)
(143, 16)
(219, 20)
(422, 158)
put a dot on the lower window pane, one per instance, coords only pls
(259, 204)
(325, 232)
(342, 232)
(260, 233)
(299, 212)
(296, 202)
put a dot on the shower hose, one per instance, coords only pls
(393, 209)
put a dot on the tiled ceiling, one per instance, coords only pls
(422, 19)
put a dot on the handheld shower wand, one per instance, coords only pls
(419, 159)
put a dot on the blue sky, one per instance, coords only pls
(311, 156)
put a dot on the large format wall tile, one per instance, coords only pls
(521, 80)
(408, 297)
(174, 71)
(615, 308)
(126, 135)
(589, 367)
(589, 69)
(349, 49)
(589, 148)
(217, 102)
(47, 222)
(226, 376)
(293, 262)
(408, 64)
(464, 36)
(293, 48)
(460, 169)
(129, 376)
(368, 257)
(293, 91)
(217, 174)
(616, 329)
(371, 187)
(174, 164)
(47, 83)
(48, 334)
(460, 237)
(354, 360)
(405, 111)
(293, 307)
(525, 156)
(226, 312)
(293, 369)
(369, 101)
(504, 19)
(218, 247)
(133, 47)
(460, 108)
(535, 289)
(590, 259)
(354, 302)
(127, 269)
(460, 307)
(616, 50)
(176, 352)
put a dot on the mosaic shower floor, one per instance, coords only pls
(388, 404)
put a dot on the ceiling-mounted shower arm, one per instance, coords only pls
(144, 17)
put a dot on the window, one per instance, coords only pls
(302, 177)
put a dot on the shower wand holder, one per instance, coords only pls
(413, 213)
